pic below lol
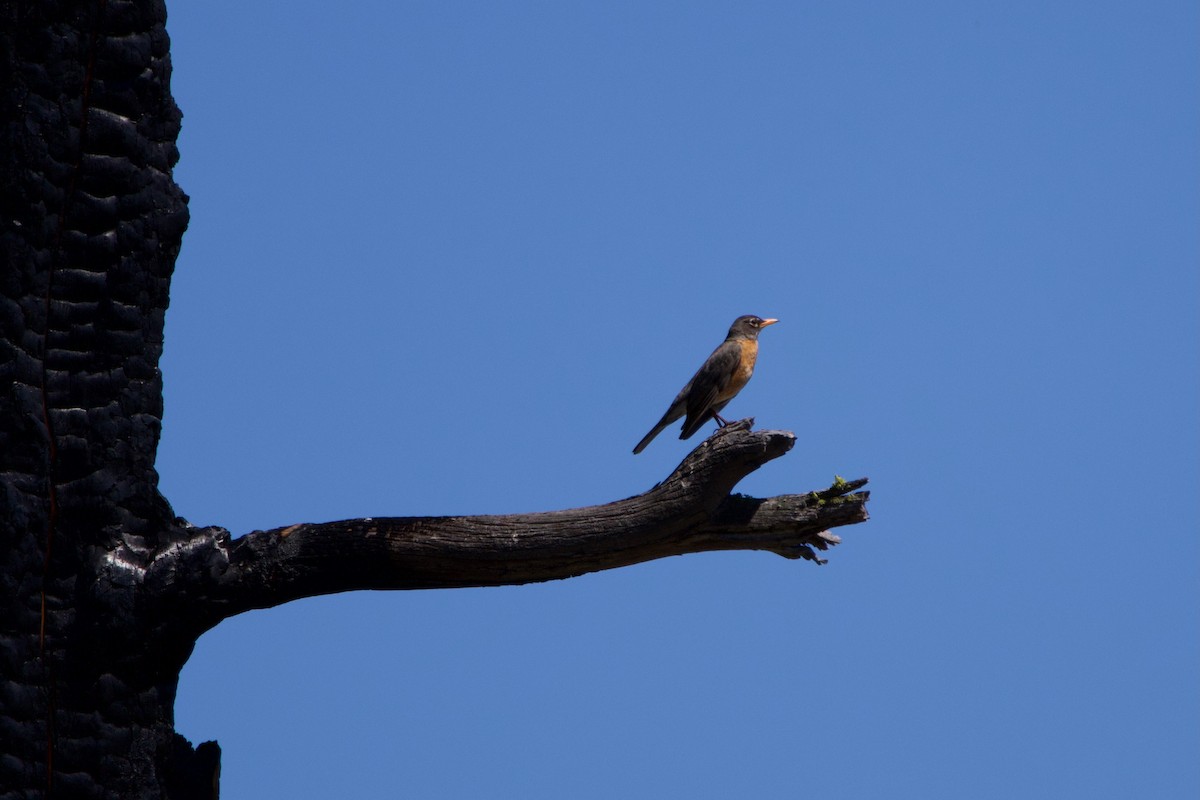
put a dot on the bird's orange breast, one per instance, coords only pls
(744, 369)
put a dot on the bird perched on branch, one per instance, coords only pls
(720, 378)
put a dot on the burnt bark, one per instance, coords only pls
(92, 222)
(103, 591)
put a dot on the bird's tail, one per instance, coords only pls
(655, 431)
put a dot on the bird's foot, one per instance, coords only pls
(737, 425)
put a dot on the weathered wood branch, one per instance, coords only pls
(691, 511)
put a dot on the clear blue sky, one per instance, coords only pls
(458, 257)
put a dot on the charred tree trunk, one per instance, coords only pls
(103, 592)
(92, 222)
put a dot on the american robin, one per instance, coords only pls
(717, 382)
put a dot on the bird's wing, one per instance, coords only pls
(707, 385)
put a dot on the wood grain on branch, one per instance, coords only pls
(691, 511)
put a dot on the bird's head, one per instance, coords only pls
(748, 326)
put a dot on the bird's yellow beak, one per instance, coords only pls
(767, 322)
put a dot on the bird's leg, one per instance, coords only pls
(720, 420)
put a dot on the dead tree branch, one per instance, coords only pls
(691, 511)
